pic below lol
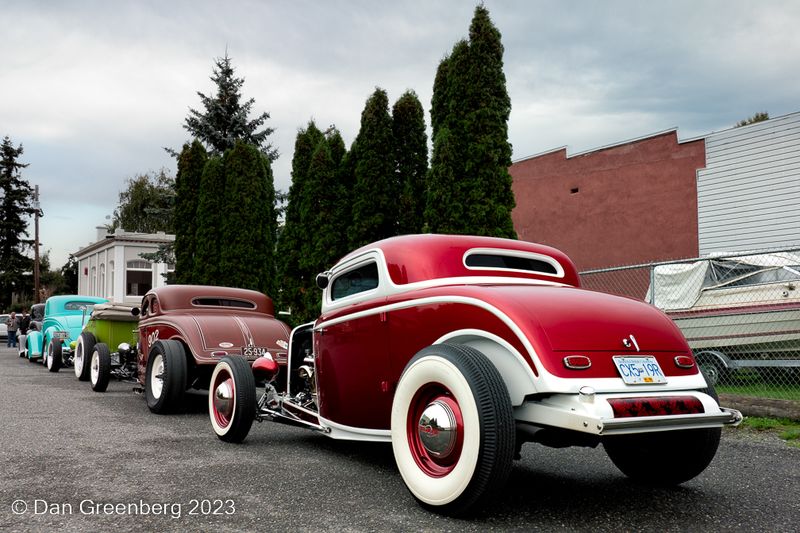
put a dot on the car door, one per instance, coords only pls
(350, 346)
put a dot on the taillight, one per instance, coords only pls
(684, 361)
(655, 406)
(577, 362)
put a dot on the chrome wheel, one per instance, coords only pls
(157, 377)
(79, 358)
(435, 430)
(224, 401)
(94, 369)
(232, 399)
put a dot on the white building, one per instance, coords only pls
(112, 266)
(747, 194)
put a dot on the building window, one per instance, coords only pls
(102, 285)
(111, 277)
(93, 281)
(138, 278)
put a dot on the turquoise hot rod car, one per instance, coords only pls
(64, 318)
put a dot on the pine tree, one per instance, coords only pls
(469, 184)
(411, 157)
(191, 163)
(16, 206)
(225, 119)
(247, 229)
(209, 220)
(376, 187)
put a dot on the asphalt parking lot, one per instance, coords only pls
(75, 460)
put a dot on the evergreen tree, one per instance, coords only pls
(342, 188)
(346, 176)
(411, 157)
(225, 119)
(247, 236)
(191, 163)
(293, 281)
(70, 274)
(209, 221)
(323, 244)
(15, 204)
(376, 187)
(328, 199)
(444, 208)
(469, 184)
(761, 116)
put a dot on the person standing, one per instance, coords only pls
(24, 324)
(13, 325)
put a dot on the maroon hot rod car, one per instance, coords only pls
(459, 349)
(184, 330)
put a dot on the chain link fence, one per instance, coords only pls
(740, 314)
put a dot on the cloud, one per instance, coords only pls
(94, 90)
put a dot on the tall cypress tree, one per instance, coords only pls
(376, 187)
(324, 243)
(469, 184)
(342, 187)
(444, 208)
(292, 280)
(15, 203)
(247, 230)
(411, 157)
(209, 221)
(328, 199)
(191, 162)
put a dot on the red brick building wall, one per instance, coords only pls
(626, 204)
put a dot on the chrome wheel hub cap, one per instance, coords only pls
(157, 377)
(95, 368)
(437, 429)
(223, 398)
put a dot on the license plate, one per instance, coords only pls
(61, 335)
(640, 370)
(254, 351)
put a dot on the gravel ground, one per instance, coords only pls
(75, 460)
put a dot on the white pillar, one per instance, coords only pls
(118, 291)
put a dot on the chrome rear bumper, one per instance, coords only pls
(596, 417)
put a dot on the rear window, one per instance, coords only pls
(516, 261)
(79, 306)
(223, 302)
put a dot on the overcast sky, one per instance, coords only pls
(94, 90)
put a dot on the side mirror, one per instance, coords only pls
(322, 280)
(135, 311)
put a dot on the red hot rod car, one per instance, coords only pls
(459, 349)
(184, 330)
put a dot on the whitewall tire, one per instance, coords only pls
(453, 432)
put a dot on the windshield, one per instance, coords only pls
(732, 273)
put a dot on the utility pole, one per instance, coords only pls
(37, 290)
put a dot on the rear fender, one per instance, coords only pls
(515, 371)
(34, 343)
